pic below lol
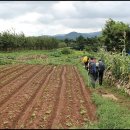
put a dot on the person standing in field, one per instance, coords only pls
(97, 75)
(85, 60)
(101, 68)
(92, 71)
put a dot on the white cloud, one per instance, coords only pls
(64, 9)
(55, 17)
(30, 17)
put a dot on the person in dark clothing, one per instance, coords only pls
(101, 68)
(96, 76)
(92, 71)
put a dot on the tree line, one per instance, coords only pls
(12, 41)
(115, 36)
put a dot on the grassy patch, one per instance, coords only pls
(54, 57)
(84, 74)
(115, 90)
(110, 114)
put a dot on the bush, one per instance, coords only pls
(66, 51)
(91, 48)
(62, 44)
(117, 64)
(56, 54)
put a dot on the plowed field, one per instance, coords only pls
(37, 96)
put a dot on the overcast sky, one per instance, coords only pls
(35, 18)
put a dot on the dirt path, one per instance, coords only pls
(36, 96)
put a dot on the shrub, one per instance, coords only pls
(56, 54)
(66, 51)
(62, 44)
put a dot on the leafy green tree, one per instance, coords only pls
(67, 41)
(113, 35)
(80, 42)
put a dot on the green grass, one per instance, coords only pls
(110, 114)
(55, 57)
(120, 92)
(84, 74)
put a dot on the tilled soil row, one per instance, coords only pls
(13, 76)
(16, 85)
(73, 109)
(91, 108)
(43, 111)
(70, 115)
(30, 113)
(7, 67)
(10, 70)
(45, 97)
(12, 109)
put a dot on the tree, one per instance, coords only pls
(67, 41)
(80, 42)
(113, 35)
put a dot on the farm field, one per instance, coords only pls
(44, 82)
(44, 96)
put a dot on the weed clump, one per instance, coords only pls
(66, 51)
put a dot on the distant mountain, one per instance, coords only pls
(74, 35)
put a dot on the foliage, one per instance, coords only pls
(91, 48)
(113, 35)
(119, 65)
(56, 54)
(67, 41)
(80, 42)
(11, 41)
(88, 44)
(66, 51)
(62, 45)
(110, 114)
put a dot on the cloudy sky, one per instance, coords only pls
(35, 18)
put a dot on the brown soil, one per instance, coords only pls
(37, 96)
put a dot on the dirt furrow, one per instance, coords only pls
(6, 68)
(77, 118)
(68, 115)
(91, 109)
(11, 70)
(59, 96)
(82, 114)
(19, 102)
(73, 114)
(9, 78)
(60, 103)
(36, 95)
(45, 108)
(69, 111)
(14, 87)
(22, 119)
